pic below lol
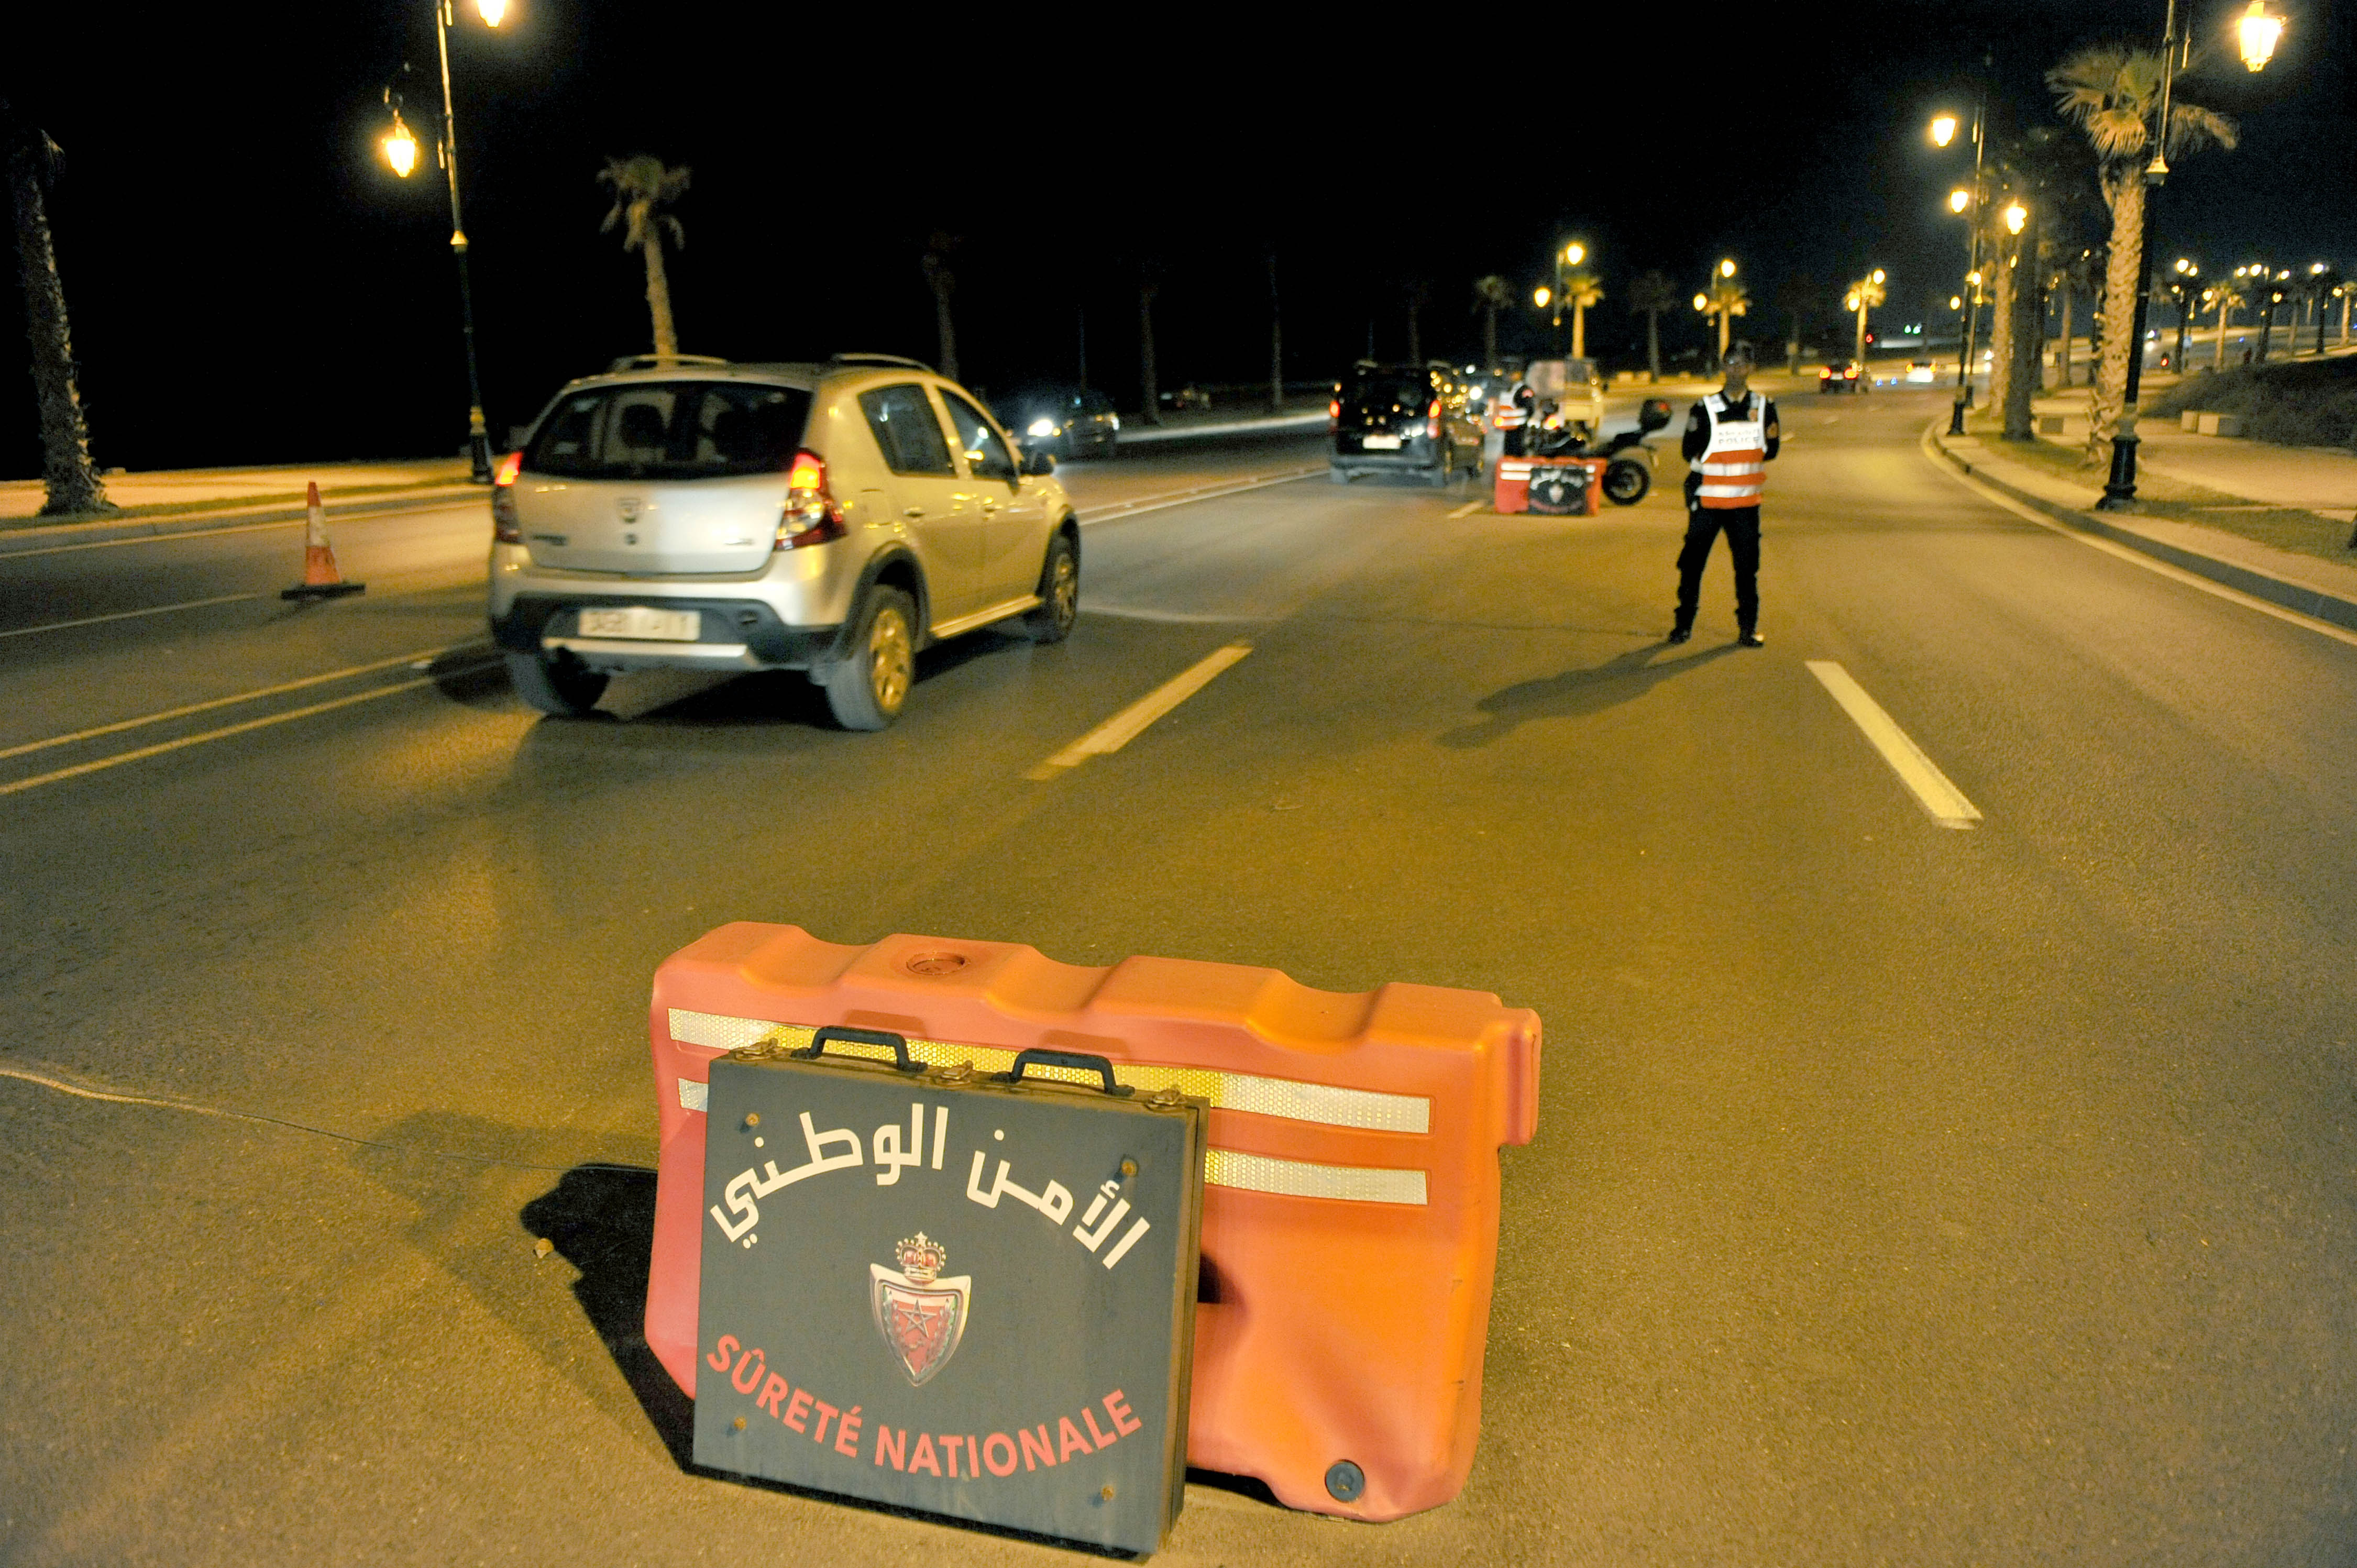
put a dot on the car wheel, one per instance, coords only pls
(1337, 474)
(1444, 468)
(560, 686)
(1059, 593)
(1625, 484)
(866, 691)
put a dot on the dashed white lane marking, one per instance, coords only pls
(129, 615)
(2137, 557)
(1125, 726)
(1467, 510)
(1121, 510)
(1943, 799)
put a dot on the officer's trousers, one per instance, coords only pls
(1742, 525)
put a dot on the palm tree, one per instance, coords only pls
(640, 185)
(1649, 295)
(1150, 284)
(1581, 288)
(1864, 295)
(2228, 299)
(944, 282)
(69, 481)
(1276, 343)
(2082, 274)
(1419, 293)
(2112, 93)
(1727, 298)
(1491, 295)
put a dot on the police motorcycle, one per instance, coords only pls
(1628, 457)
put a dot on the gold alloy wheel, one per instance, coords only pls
(891, 659)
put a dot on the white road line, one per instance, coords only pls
(1943, 799)
(121, 724)
(1126, 510)
(222, 734)
(337, 511)
(2137, 557)
(1467, 510)
(130, 614)
(1125, 726)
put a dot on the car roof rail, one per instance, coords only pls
(897, 360)
(656, 362)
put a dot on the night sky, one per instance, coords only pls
(249, 283)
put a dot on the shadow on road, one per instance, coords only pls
(1576, 692)
(601, 1218)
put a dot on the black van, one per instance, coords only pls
(1404, 419)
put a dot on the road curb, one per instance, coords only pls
(2298, 597)
(107, 531)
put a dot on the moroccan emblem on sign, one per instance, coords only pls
(920, 1315)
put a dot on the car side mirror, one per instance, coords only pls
(1654, 414)
(1039, 463)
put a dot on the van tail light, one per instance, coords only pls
(1333, 411)
(505, 529)
(812, 515)
(1432, 420)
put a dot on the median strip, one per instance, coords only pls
(1122, 510)
(1943, 800)
(1127, 725)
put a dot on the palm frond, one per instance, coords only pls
(2191, 127)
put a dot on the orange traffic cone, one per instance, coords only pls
(320, 578)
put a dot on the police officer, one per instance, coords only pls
(1731, 438)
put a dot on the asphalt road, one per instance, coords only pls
(1903, 1192)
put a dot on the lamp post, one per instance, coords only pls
(2187, 272)
(1944, 131)
(1863, 294)
(401, 152)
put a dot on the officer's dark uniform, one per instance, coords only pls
(1708, 513)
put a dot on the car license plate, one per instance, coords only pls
(1381, 442)
(637, 621)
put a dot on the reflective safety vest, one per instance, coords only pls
(1734, 466)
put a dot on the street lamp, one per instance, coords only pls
(1965, 204)
(1943, 129)
(1727, 269)
(2258, 34)
(401, 152)
(2016, 215)
(1575, 254)
(1958, 201)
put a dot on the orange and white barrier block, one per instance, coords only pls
(1351, 1186)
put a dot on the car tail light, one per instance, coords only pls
(505, 529)
(812, 515)
(1432, 420)
(1333, 410)
(1850, 374)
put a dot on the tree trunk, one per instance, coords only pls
(1653, 343)
(945, 328)
(1578, 331)
(1490, 336)
(1149, 394)
(1415, 338)
(2217, 360)
(69, 481)
(2004, 284)
(1276, 343)
(2107, 391)
(2025, 339)
(1859, 355)
(658, 296)
(1080, 319)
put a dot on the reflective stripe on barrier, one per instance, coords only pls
(1351, 1195)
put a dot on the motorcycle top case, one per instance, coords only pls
(1351, 1185)
(968, 1293)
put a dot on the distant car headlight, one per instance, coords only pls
(1042, 427)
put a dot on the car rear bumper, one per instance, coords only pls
(733, 634)
(1415, 455)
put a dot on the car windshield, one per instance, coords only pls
(675, 430)
(1388, 391)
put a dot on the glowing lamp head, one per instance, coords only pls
(1850, 304)
(1943, 130)
(2015, 217)
(1727, 269)
(1877, 274)
(492, 11)
(1955, 302)
(1959, 200)
(400, 148)
(1702, 302)
(1539, 296)
(1575, 254)
(2316, 269)
(2183, 265)
(2258, 33)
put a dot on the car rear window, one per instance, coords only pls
(1388, 391)
(678, 430)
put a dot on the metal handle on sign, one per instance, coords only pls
(900, 1044)
(1081, 1059)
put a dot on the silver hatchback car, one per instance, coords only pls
(832, 519)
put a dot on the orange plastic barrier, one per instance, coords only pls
(1351, 1189)
(1514, 476)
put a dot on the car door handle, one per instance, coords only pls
(989, 505)
(912, 511)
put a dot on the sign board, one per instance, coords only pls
(949, 1292)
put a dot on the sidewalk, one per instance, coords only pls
(2272, 522)
(170, 501)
